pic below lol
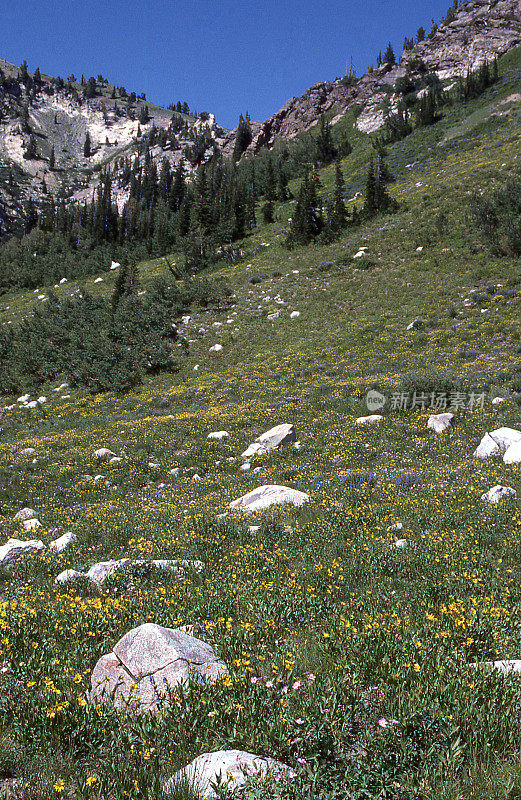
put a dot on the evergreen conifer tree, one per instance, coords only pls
(52, 160)
(389, 57)
(87, 146)
(326, 149)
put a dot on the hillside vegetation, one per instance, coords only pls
(356, 629)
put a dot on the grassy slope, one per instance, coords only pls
(333, 597)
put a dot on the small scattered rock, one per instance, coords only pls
(218, 435)
(64, 541)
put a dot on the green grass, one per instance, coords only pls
(387, 634)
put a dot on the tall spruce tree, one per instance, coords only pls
(389, 56)
(326, 150)
(87, 146)
(243, 137)
(339, 214)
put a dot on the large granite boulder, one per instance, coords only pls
(498, 493)
(272, 439)
(147, 662)
(265, 496)
(225, 768)
(102, 570)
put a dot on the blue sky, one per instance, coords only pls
(225, 57)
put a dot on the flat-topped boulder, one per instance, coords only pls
(147, 662)
(276, 437)
(227, 768)
(266, 496)
(497, 442)
(14, 549)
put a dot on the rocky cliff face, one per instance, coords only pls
(58, 119)
(481, 30)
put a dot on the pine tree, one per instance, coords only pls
(270, 191)
(307, 222)
(30, 151)
(389, 57)
(31, 216)
(243, 137)
(87, 146)
(326, 149)
(127, 285)
(52, 160)
(420, 34)
(339, 215)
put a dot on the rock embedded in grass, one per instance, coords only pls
(218, 435)
(31, 524)
(59, 545)
(266, 496)
(14, 549)
(497, 442)
(147, 662)
(25, 514)
(104, 454)
(498, 493)
(102, 570)
(226, 768)
(372, 419)
(276, 437)
(440, 422)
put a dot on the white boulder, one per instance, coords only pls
(497, 442)
(372, 419)
(440, 422)
(218, 435)
(104, 454)
(498, 493)
(266, 496)
(276, 437)
(216, 348)
(24, 514)
(226, 769)
(27, 451)
(115, 265)
(13, 549)
(31, 524)
(64, 541)
(513, 453)
(294, 314)
(147, 662)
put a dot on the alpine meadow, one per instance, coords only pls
(260, 434)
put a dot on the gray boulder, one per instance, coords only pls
(102, 570)
(272, 439)
(265, 496)
(64, 541)
(147, 662)
(229, 768)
